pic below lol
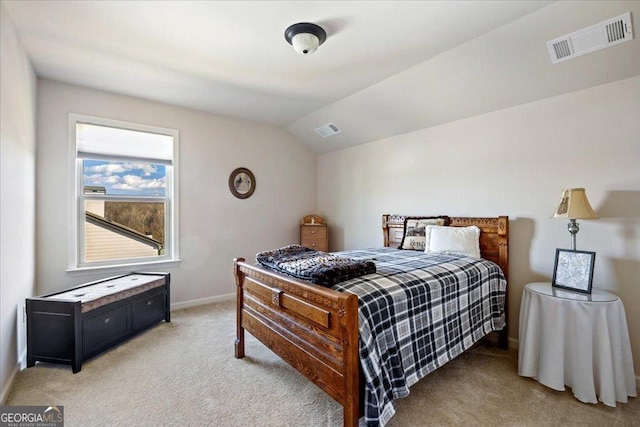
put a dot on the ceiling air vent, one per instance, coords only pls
(327, 130)
(605, 34)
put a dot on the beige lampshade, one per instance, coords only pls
(574, 205)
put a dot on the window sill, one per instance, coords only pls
(122, 268)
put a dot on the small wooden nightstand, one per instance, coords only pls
(314, 233)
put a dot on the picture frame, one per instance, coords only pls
(574, 296)
(242, 183)
(573, 270)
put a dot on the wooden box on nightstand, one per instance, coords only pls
(314, 233)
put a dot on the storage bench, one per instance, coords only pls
(70, 326)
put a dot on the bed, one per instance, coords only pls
(317, 329)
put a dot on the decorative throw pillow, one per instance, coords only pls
(413, 236)
(453, 240)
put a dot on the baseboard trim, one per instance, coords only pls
(7, 388)
(203, 301)
(22, 361)
(513, 343)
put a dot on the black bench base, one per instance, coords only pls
(59, 332)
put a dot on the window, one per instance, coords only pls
(124, 194)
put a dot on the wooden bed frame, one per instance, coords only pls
(315, 329)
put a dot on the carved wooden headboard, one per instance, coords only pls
(494, 235)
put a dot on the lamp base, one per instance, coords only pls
(573, 228)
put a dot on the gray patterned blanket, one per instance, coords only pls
(318, 267)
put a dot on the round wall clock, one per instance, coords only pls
(242, 183)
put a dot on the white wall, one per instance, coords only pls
(17, 195)
(215, 226)
(511, 162)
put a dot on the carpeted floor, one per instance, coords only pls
(184, 373)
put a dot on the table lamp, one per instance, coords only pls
(574, 205)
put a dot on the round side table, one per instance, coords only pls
(578, 340)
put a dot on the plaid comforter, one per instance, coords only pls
(417, 313)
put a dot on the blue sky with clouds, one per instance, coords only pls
(126, 178)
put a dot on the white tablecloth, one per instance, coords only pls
(582, 344)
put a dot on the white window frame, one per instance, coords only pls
(77, 198)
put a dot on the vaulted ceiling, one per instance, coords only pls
(387, 67)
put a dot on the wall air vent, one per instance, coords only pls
(600, 36)
(327, 130)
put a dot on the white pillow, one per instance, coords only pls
(453, 240)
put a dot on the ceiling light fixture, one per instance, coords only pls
(305, 37)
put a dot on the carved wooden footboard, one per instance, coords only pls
(312, 328)
(315, 329)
